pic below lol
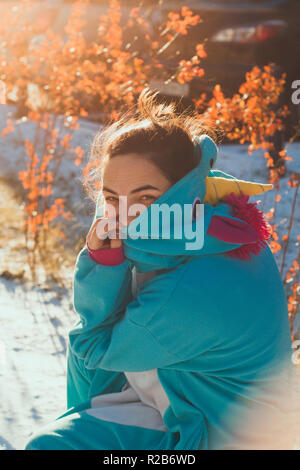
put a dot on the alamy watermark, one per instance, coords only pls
(188, 222)
(296, 93)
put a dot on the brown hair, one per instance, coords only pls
(153, 130)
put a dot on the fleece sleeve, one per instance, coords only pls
(111, 333)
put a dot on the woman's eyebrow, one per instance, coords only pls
(109, 190)
(141, 188)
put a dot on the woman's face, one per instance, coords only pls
(136, 178)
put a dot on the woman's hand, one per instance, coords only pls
(95, 242)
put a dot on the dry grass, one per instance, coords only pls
(54, 263)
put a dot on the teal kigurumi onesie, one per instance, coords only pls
(214, 327)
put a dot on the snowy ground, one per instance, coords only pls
(34, 323)
(33, 365)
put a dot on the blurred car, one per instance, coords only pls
(238, 35)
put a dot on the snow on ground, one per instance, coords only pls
(35, 322)
(33, 360)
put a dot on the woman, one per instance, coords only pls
(179, 342)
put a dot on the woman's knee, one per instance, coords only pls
(49, 437)
(40, 441)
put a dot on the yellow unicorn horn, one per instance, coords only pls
(217, 188)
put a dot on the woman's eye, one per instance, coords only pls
(147, 197)
(111, 199)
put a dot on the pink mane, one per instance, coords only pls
(249, 212)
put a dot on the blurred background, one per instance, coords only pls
(238, 35)
(67, 68)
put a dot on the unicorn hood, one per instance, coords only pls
(192, 218)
